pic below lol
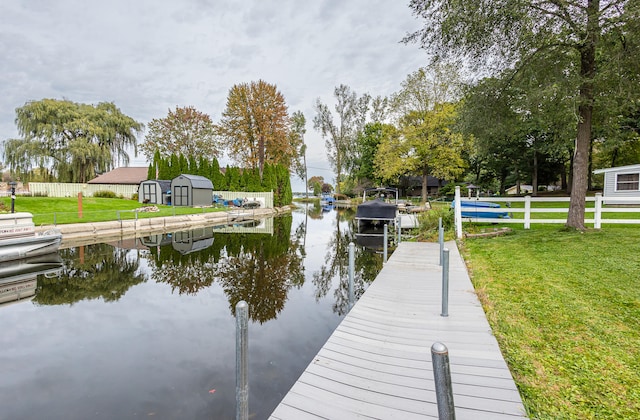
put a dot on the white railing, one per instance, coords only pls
(483, 214)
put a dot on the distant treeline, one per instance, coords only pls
(274, 177)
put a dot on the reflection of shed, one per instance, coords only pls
(189, 241)
(154, 191)
(155, 240)
(191, 190)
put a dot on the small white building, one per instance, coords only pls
(621, 182)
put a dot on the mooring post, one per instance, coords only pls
(352, 271)
(442, 379)
(242, 364)
(384, 245)
(445, 282)
(440, 237)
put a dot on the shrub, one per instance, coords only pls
(104, 194)
(134, 196)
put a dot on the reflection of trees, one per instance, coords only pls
(260, 269)
(314, 210)
(257, 268)
(102, 272)
(186, 273)
(367, 265)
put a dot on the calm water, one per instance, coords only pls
(146, 329)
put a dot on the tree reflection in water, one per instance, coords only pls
(367, 264)
(102, 272)
(257, 268)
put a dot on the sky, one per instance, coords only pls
(150, 56)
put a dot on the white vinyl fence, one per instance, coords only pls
(479, 214)
(62, 189)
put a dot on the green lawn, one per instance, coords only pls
(50, 210)
(565, 308)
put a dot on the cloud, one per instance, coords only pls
(148, 56)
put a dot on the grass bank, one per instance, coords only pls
(53, 210)
(565, 308)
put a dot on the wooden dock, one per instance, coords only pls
(377, 363)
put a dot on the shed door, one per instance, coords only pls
(180, 195)
(149, 193)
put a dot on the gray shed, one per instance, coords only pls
(154, 191)
(191, 190)
(619, 182)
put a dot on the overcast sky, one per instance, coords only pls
(149, 56)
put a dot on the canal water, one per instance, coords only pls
(145, 328)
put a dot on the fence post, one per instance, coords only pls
(527, 212)
(597, 214)
(440, 237)
(384, 245)
(242, 364)
(399, 229)
(352, 271)
(458, 214)
(442, 379)
(445, 283)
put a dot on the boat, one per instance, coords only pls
(475, 209)
(326, 200)
(18, 238)
(384, 209)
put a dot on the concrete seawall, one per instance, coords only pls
(85, 233)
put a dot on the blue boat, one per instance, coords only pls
(469, 209)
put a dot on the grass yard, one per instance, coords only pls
(51, 210)
(565, 308)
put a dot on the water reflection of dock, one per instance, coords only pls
(377, 363)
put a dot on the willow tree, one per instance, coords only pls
(185, 131)
(74, 140)
(501, 34)
(255, 126)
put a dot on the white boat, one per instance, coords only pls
(19, 240)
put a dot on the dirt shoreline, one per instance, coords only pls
(86, 233)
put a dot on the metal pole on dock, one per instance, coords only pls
(385, 244)
(445, 282)
(352, 271)
(440, 237)
(442, 379)
(242, 363)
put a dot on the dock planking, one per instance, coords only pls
(377, 363)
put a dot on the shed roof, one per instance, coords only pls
(165, 185)
(618, 169)
(124, 175)
(198, 181)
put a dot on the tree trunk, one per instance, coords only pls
(575, 217)
(534, 177)
(425, 180)
(261, 147)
